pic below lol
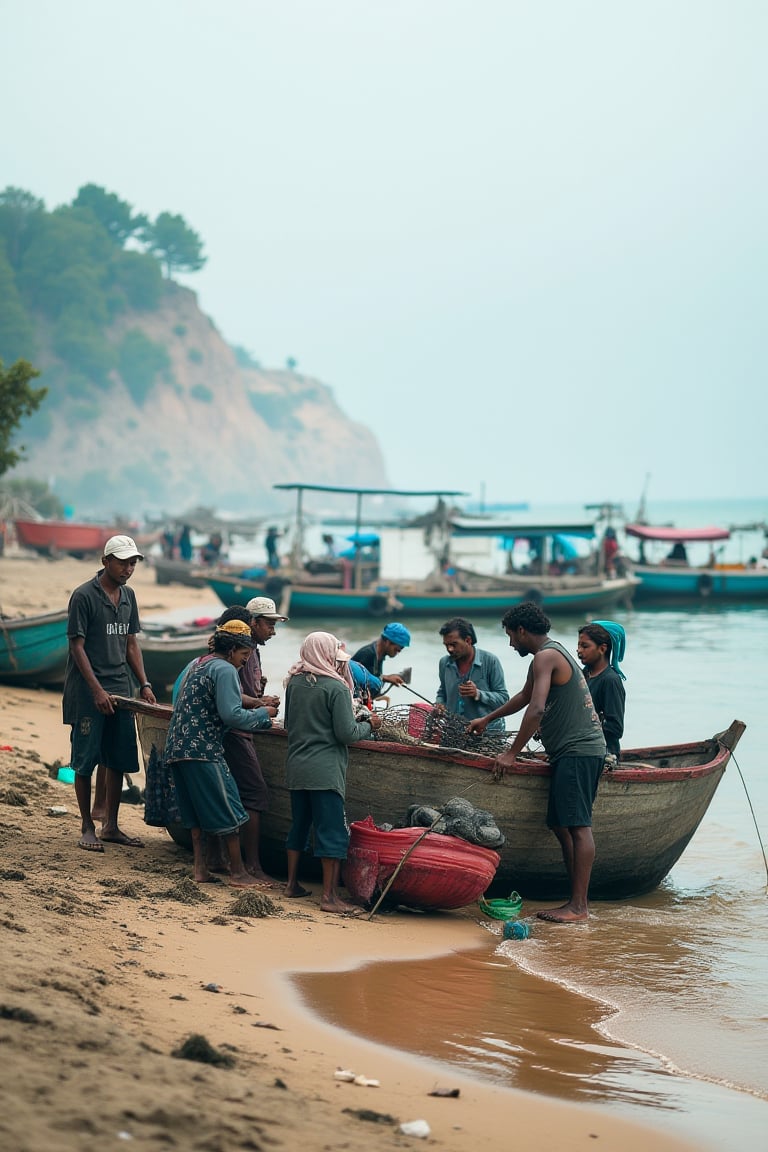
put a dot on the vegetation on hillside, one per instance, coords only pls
(67, 274)
(17, 400)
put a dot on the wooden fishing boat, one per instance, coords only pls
(166, 652)
(677, 580)
(179, 572)
(421, 870)
(33, 649)
(646, 810)
(53, 537)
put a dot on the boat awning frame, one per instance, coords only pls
(534, 530)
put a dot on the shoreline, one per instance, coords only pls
(106, 963)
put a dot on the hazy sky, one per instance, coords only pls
(525, 242)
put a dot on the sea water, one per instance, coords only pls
(658, 1008)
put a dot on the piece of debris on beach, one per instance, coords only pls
(197, 1047)
(186, 891)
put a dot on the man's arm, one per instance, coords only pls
(540, 679)
(495, 694)
(514, 704)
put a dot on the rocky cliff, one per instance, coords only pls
(211, 429)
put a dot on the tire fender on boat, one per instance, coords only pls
(534, 595)
(704, 584)
(274, 587)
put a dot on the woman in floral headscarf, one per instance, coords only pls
(321, 723)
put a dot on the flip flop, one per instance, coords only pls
(297, 895)
(124, 841)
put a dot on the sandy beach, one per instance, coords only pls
(112, 961)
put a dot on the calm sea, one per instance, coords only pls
(658, 1008)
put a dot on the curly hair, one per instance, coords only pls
(236, 612)
(528, 616)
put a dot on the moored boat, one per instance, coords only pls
(166, 653)
(647, 809)
(53, 537)
(675, 579)
(33, 649)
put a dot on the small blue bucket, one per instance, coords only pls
(516, 930)
(66, 775)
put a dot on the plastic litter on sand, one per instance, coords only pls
(418, 1128)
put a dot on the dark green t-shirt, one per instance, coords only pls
(320, 724)
(105, 627)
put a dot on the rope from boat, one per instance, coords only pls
(754, 819)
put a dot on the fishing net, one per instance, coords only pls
(414, 724)
(457, 817)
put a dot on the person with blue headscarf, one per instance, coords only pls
(601, 647)
(394, 637)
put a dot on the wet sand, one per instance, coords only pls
(107, 958)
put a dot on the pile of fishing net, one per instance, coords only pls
(457, 817)
(416, 724)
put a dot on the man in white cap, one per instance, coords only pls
(102, 627)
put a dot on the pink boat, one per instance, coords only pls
(51, 537)
(441, 872)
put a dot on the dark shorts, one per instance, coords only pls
(99, 739)
(572, 791)
(207, 796)
(325, 812)
(243, 763)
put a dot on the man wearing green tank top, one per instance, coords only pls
(559, 707)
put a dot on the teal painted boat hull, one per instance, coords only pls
(304, 600)
(33, 649)
(745, 585)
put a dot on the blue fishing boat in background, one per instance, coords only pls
(33, 649)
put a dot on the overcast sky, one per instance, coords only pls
(525, 242)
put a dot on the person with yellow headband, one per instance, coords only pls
(210, 702)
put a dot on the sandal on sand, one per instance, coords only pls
(90, 845)
(123, 840)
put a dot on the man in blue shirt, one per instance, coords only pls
(471, 680)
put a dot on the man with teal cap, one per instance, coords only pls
(394, 637)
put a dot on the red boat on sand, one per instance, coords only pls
(52, 537)
(440, 872)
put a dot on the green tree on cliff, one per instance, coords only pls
(172, 240)
(17, 400)
(115, 215)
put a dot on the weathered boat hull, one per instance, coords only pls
(51, 537)
(33, 649)
(645, 813)
(744, 585)
(165, 656)
(179, 572)
(412, 600)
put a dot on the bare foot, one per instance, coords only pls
(243, 880)
(90, 841)
(263, 879)
(296, 892)
(567, 914)
(341, 907)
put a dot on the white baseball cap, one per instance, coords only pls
(122, 547)
(263, 606)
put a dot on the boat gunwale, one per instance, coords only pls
(537, 766)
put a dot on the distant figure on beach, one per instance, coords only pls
(601, 647)
(102, 624)
(394, 637)
(185, 543)
(471, 679)
(321, 724)
(209, 704)
(168, 544)
(610, 552)
(210, 553)
(557, 705)
(330, 549)
(270, 543)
